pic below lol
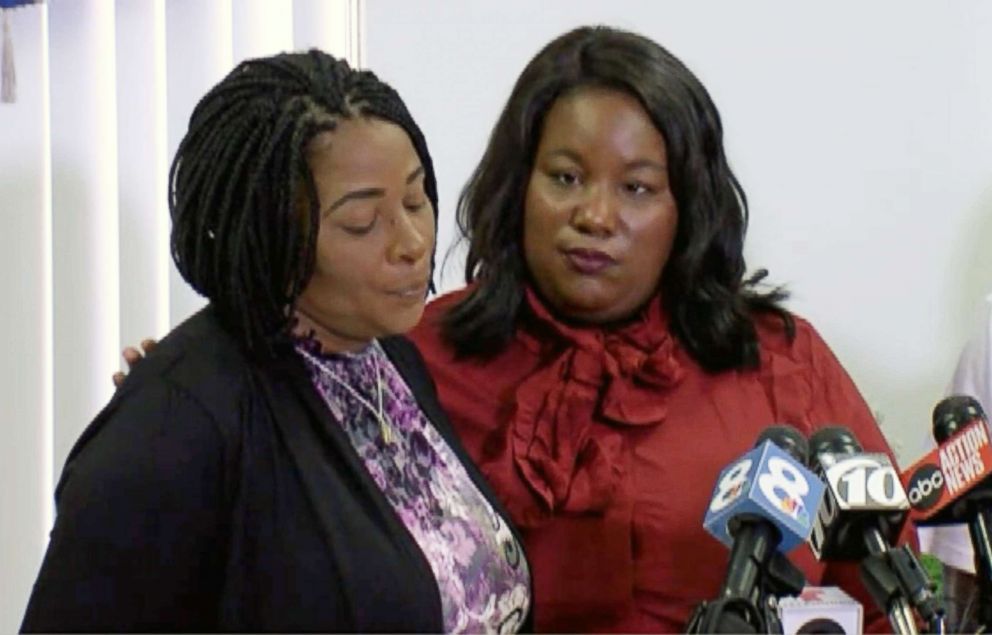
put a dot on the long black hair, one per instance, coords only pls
(243, 201)
(703, 287)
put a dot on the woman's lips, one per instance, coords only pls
(417, 291)
(588, 261)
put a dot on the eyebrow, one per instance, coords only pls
(370, 192)
(636, 164)
(356, 195)
(646, 163)
(415, 174)
(565, 152)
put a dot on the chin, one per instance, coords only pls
(590, 312)
(403, 322)
(598, 310)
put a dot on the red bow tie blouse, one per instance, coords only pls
(604, 445)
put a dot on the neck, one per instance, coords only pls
(331, 341)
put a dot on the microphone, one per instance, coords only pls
(763, 505)
(863, 494)
(821, 610)
(863, 511)
(952, 483)
(939, 483)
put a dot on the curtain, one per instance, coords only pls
(104, 90)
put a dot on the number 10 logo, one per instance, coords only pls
(864, 481)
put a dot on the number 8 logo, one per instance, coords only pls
(729, 487)
(782, 476)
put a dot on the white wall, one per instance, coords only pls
(105, 90)
(862, 133)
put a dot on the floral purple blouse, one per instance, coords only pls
(482, 575)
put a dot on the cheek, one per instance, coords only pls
(654, 239)
(341, 268)
(541, 224)
(329, 251)
(426, 225)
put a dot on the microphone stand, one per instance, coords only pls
(897, 583)
(726, 615)
(979, 529)
(782, 579)
(757, 614)
(976, 510)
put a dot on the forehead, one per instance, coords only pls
(601, 117)
(362, 146)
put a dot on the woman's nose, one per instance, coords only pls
(596, 214)
(409, 243)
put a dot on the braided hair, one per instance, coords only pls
(243, 201)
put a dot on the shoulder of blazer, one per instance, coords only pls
(200, 358)
(198, 361)
(202, 361)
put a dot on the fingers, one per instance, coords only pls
(131, 356)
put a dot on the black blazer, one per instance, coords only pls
(218, 493)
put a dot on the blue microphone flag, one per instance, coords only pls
(769, 483)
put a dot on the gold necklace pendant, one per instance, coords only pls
(384, 423)
(385, 427)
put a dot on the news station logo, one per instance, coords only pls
(961, 458)
(793, 506)
(956, 466)
(730, 487)
(784, 485)
(925, 487)
(864, 481)
(769, 483)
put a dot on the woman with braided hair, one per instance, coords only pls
(280, 461)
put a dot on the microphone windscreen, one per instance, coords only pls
(788, 438)
(833, 440)
(953, 413)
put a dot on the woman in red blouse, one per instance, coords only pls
(608, 356)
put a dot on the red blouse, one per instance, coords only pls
(605, 446)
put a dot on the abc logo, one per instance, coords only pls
(925, 487)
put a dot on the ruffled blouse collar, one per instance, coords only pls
(564, 432)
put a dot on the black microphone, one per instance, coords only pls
(862, 514)
(763, 504)
(863, 494)
(960, 428)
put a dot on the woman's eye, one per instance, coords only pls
(415, 206)
(565, 178)
(359, 230)
(638, 189)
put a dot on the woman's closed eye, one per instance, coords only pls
(357, 228)
(415, 205)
